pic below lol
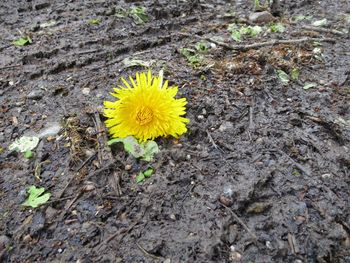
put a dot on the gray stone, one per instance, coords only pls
(4, 242)
(36, 94)
(51, 129)
(261, 17)
(226, 126)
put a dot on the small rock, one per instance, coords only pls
(35, 94)
(226, 126)
(172, 217)
(261, 17)
(225, 200)
(86, 91)
(27, 239)
(258, 207)
(128, 167)
(89, 187)
(4, 242)
(200, 117)
(326, 176)
(52, 129)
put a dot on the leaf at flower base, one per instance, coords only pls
(24, 144)
(283, 76)
(150, 149)
(22, 41)
(36, 197)
(132, 146)
(309, 86)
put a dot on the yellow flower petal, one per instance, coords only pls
(145, 109)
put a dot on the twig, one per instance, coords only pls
(323, 30)
(299, 166)
(241, 222)
(146, 252)
(211, 140)
(122, 233)
(89, 159)
(264, 44)
(10, 66)
(116, 181)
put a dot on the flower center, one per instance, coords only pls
(144, 115)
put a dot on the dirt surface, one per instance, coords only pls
(261, 176)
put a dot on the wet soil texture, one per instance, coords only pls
(262, 174)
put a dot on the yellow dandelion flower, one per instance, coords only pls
(146, 108)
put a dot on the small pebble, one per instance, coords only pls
(188, 157)
(27, 239)
(35, 94)
(128, 167)
(261, 17)
(200, 117)
(225, 200)
(86, 91)
(172, 217)
(60, 250)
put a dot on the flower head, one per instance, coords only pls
(146, 108)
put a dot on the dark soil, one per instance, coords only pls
(261, 176)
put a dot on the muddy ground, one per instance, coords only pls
(261, 176)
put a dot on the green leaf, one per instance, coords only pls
(121, 13)
(202, 46)
(132, 146)
(283, 76)
(140, 177)
(22, 41)
(148, 172)
(35, 197)
(151, 148)
(24, 144)
(139, 15)
(251, 30)
(145, 151)
(321, 22)
(295, 73)
(94, 22)
(191, 56)
(277, 28)
(236, 36)
(310, 85)
(28, 154)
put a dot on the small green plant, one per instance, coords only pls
(202, 46)
(310, 86)
(36, 197)
(22, 41)
(143, 175)
(295, 74)
(238, 31)
(145, 151)
(139, 15)
(94, 22)
(192, 57)
(277, 28)
(24, 144)
(283, 76)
